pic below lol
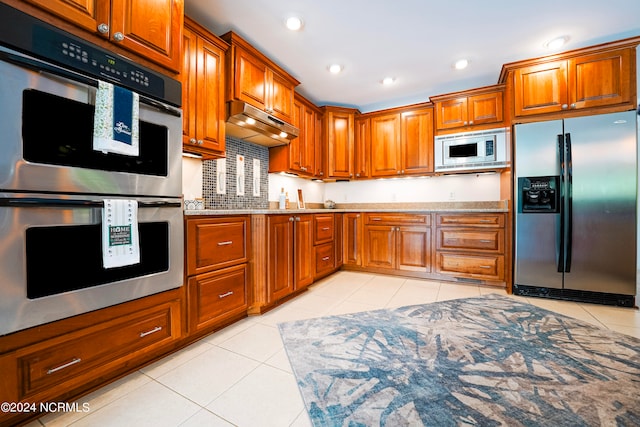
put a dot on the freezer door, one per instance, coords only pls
(537, 241)
(602, 251)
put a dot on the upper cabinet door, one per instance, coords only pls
(485, 108)
(251, 79)
(600, 79)
(386, 156)
(152, 28)
(417, 141)
(281, 97)
(339, 125)
(541, 88)
(452, 113)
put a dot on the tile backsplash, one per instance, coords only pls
(230, 200)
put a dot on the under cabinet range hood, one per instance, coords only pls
(251, 124)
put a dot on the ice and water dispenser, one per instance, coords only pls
(539, 194)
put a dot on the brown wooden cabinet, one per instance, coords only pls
(324, 237)
(152, 29)
(352, 234)
(203, 92)
(339, 136)
(217, 270)
(584, 79)
(397, 242)
(299, 155)
(289, 255)
(402, 143)
(463, 110)
(362, 148)
(62, 360)
(256, 79)
(471, 246)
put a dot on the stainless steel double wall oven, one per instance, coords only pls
(53, 184)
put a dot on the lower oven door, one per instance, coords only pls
(51, 257)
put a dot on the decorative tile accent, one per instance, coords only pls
(230, 200)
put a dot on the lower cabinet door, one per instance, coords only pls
(216, 296)
(325, 258)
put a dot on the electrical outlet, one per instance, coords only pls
(452, 195)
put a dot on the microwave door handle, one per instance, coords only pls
(44, 67)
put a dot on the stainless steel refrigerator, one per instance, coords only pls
(575, 200)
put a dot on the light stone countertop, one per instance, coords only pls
(478, 207)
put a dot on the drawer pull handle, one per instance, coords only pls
(66, 365)
(226, 294)
(376, 219)
(228, 242)
(486, 241)
(485, 266)
(325, 228)
(325, 258)
(152, 331)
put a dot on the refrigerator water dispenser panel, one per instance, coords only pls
(539, 194)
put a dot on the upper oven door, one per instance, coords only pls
(46, 136)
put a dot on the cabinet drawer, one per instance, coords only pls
(215, 243)
(215, 295)
(325, 258)
(489, 240)
(396, 219)
(323, 228)
(78, 356)
(475, 266)
(476, 220)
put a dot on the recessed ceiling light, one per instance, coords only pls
(294, 23)
(388, 81)
(335, 68)
(556, 43)
(461, 64)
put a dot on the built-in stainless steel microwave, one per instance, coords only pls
(487, 149)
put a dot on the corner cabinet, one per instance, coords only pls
(217, 271)
(466, 110)
(203, 104)
(256, 79)
(152, 29)
(339, 141)
(578, 80)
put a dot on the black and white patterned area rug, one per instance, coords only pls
(485, 361)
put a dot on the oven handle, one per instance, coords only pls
(42, 66)
(37, 201)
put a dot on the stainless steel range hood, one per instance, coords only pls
(251, 124)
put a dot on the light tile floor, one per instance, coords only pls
(240, 376)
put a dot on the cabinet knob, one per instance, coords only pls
(192, 141)
(297, 219)
(118, 36)
(470, 122)
(358, 175)
(564, 106)
(465, 123)
(573, 105)
(290, 219)
(200, 142)
(103, 28)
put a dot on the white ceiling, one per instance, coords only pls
(415, 41)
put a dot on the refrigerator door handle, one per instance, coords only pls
(561, 252)
(569, 204)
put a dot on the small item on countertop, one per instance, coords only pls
(286, 201)
(329, 204)
(282, 200)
